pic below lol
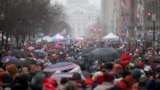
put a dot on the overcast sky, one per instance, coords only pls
(92, 2)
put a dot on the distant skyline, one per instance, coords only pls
(91, 2)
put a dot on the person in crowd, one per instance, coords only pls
(2, 73)
(37, 81)
(123, 84)
(63, 81)
(77, 78)
(7, 81)
(71, 85)
(12, 70)
(136, 74)
(49, 84)
(89, 83)
(108, 80)
(130, 80)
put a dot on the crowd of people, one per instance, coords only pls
(135, 69)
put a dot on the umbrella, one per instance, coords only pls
(155, 59)
(57, 47)
(60, 66)
(18, 53)
(107, 54)
(50, 51)
(88, 50)
(18, 63)
(59, 76)
(46, 38)
(42, 54)
(30, 48)
(8, 58)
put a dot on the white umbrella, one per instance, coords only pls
(30, 48)
(46, 38)
(39, 40)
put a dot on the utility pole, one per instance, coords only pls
(2, 28)
(154, 29)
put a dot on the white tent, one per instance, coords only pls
(110, 36)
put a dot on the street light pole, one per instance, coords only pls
(2, 18)
(2, 31)
(154, 38)
(154, 28)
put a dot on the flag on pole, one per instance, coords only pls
(124, 27)
(63, 32)
(126, 32)
(123, 4)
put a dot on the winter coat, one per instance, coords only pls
(37, 81)
(104, 86)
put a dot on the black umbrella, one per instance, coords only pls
(106, 54)
(18, 63)
(155, 59)
(88, 50)
(18, 53)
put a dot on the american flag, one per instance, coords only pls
(123, 4)
(126, 32)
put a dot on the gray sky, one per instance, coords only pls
(92, 2)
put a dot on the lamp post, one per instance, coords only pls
(154, 27)
(2, 18)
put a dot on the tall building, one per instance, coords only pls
(81, 16)
(108, 15)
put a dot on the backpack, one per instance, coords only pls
(16, 85)
(20, 83)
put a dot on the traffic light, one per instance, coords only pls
(149, 15)
(42, 21)
(91, 28)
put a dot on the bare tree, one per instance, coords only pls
(24, 17)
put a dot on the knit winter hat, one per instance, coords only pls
(123, 84)
(117, 67)
(130, 80)
(141, 64)
(108, 77)
(136, 73)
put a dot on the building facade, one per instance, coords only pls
(81, 16)
(153, 7)
(108, 15)
(127, 19)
